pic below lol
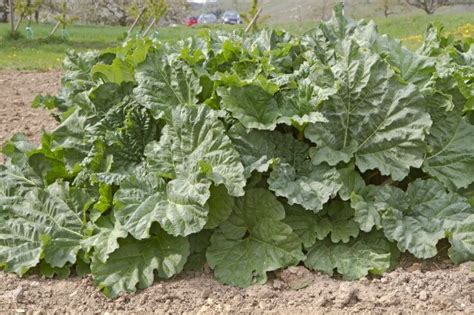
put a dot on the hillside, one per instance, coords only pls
(284, 11)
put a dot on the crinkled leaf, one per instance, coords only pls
(412, 67)
(253, 241)
(50, 272)
(194, 148)
(369, 203)
(142, 201)
(342, 224)
(451, 156)
(134, 263)
(164, 83)
(117, 72)
(369, 253)
(352, 182)
(220, 207)
(252, 105)
(336, 219)
(462, 242)
(47, 222)
(307, 225)
(373, 117)
(309, 186)
(255, 148)
(429, 214)
(104, 240)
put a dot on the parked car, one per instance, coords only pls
(231, 17)
(207, 18)
(191, 21)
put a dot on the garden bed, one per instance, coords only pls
(435, 286)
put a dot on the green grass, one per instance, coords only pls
(42, 53)
(404, 28)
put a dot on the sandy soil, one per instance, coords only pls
(432, 287)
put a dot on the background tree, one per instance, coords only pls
(155, 10)
(63, 20)
(135, 10)
(26, 9)
(3, 11)
(252, 12)
(430, 6)
(389, 7)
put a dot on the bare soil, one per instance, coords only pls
(414, 287)
(17, 91)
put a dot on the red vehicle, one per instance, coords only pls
(191, 21)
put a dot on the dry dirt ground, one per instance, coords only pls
(435, 287)
(17, 91)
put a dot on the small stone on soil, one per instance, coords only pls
(423, 295)
(297, 277)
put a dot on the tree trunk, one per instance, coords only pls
(12, 15)
(17, 26)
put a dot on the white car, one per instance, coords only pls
(231, 17)
(207, 18)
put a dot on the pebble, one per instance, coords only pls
(414, 267)
(423, 296)
(209, 301)
(322, 301)
(297, 277)
(278, 284)
(364, 281)
(205, 293)
(346, 295)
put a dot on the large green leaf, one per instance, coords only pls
(451, 156)
(20, 245)
(255, 147)
(370, 202)
(117, 72)
(462, 242)
(428, 214)
(336, 219)
(307, 225)
(352, 182)
(373, 117)
(46, 223)
(369, 253)
(220, 207)
(104, 239)
(143, 200)
(164, 83)
(411, 66)
(308, 185)
(300, 105)
(194, 149)
(253, 241)
(252, 105)
(135, 262)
